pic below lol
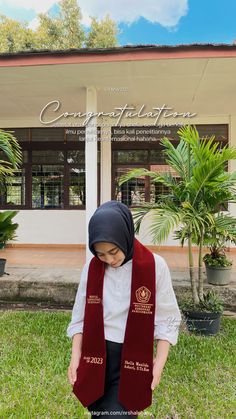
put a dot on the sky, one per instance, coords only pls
(163, 22)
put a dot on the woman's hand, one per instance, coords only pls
(159, 362)
(72, 370)
(156, 373)
(75, 357)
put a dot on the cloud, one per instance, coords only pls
(39, 6)
(165, 12)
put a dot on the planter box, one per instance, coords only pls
(218, 275)
(202, 323)
(2, 266)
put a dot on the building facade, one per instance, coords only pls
(85, 117)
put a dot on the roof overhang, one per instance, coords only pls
(198, 79)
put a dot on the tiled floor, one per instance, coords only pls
(177, 258)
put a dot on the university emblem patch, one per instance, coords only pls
(143, 295)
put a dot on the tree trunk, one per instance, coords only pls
(191, 272)
(200, 269)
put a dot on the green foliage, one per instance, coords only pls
(64, 31)
(15, 36)
(221, 261)
(10, 154)
(211, 302)
(7, 227)
(198, 188)
(102, 34)
(197, 183)
(221, 231)
(197, 382)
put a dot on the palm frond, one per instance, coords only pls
(139, 214)
(136, 173)
(10, 148)
(176, 157)
(164, 221)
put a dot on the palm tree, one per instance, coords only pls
(10, 154)
(10, 159)
(198, 186)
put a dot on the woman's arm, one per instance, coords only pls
(75, 357)
(167, 318)
(77, 317)
(167, 315)
(75, 328)
(159, 361)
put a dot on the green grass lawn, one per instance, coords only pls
(198, 381)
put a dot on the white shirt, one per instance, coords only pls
(116, 303)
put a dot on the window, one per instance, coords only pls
(139, 147)
(137, 190)
(47, 186)
(13, 189)
(132, 192)
(76, 186)
(52, 175)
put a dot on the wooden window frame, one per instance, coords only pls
(64, 146)
(150, 145)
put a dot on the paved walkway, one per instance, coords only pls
(52, 275)
(177, 258)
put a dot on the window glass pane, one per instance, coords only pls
(75, 134)
(21, 134)
(3, 156)
(157, 189)
(25, 156)
(157, 156)
(77, 186)
(131, 156)
(13, 189)
(163, 168)
(131, 192)
(76, 157)
(47, 134)
(47, 186)
(78, 134)
(47, 156)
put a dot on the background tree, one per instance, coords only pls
(15, 36)
(60, 32)
(48, 33)
(64, 31)
(103, 33)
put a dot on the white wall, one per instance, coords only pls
(51, 226)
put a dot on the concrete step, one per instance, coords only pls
(58, 286)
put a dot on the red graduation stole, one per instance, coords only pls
(135, 392)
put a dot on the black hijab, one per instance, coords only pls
(112, 222)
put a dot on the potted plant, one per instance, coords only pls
(205, 318)
(218, 265)
(10, 159)
(198, 185)
(7, 232)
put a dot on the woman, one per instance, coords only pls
(125, 300)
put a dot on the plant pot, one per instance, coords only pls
(203, 323)
(218, 275)
(2, 266)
